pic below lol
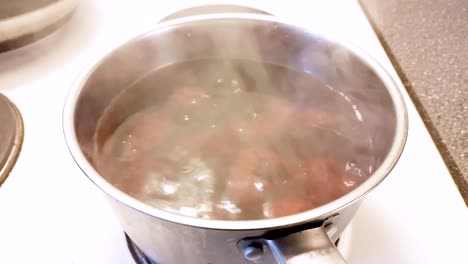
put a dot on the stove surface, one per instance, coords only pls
(51, 213)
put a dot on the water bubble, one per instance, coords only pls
(186, 117)
(352, 167)
(189, 35)
(235, 86)
(152, 186)
(202, 177)
(168, 188)
(229, 206)
(267, 210)
(186, 169)
(259, 186)
(188, 211)
(349, 183)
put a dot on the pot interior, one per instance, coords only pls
(284, 61)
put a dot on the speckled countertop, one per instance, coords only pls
(427, 41)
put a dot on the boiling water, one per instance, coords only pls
(234, 139)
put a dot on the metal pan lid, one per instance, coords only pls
(11, 136)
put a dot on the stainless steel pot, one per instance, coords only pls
(301, 238)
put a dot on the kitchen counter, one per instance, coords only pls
(427, 42)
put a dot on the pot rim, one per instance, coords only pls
(315, 214)
(12, 144)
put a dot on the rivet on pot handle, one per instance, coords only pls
(307, 246)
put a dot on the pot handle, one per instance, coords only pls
(308, 246)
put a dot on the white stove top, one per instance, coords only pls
(51, 213)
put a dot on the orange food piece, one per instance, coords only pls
(289, 206)
(323, 179)
(241, 189)
(189, 100)
(273, 120)
(314, 117)
(318, 170)
(208, 145)
(265, 128)
(265, 125)
(133, 178)
(221, 144)
(150, 129)
(249, 176)
(251, 157)
(278, 107)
